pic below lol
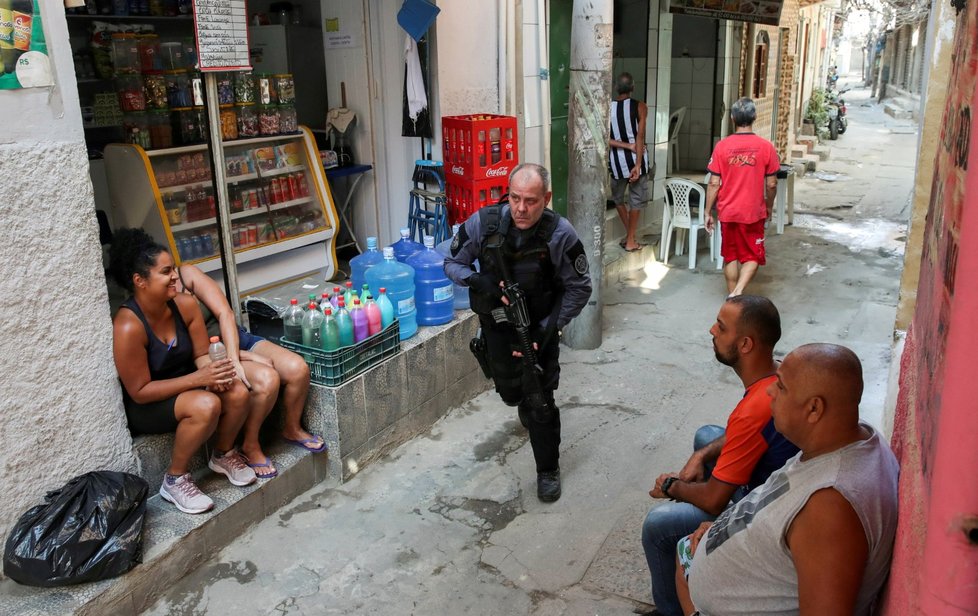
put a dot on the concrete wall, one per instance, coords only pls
(935, 564)
(62, 402)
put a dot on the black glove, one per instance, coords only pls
(484, 284)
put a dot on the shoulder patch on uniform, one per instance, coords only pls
(578, 258)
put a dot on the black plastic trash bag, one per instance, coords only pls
(90, 529)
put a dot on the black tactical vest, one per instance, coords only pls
(530, 266)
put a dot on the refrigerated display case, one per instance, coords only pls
(283, 217)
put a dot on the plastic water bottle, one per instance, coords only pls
(312, 300)
(386, 309)
(374, 319)
(405, 247)
(434, 292)
(335, 297)
(324, 302)
(331, 331)
(312, 327)
(292, 320)
(348, 293)
(359, 318)
(361, 263)
(461, 294)
(398, 279)
(344, 324)
(216, 351)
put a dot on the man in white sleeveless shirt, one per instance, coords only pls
(817, 537)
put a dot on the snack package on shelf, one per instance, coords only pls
(264, 158)
(287, 155)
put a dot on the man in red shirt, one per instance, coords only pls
(726, 463)
(743, 184)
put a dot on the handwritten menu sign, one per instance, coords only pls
(222, 35)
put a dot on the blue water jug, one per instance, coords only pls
(398, 278)
(460, 293)
(405, 247)
(361, 263)
(433, 292)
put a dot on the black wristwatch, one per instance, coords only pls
(666, 484)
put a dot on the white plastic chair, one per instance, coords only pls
(675, 123)
(677, 193)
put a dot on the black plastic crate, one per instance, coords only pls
(333, 368)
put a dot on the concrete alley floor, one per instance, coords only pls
(449, 523)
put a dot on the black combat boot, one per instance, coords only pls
(548, 486)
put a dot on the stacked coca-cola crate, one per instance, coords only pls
(480, 150)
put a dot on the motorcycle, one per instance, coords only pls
(837, 114)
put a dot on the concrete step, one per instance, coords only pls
(810, 162)
(822, 151)
(807, 141)
(797, 151)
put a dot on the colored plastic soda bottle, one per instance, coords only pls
(359, 318)
(386, 309)
(312, 327)
(345, 324)
(335, 297)
(217, 351)
(348, 293)
(374, 318)
(331, 330)
(312, 300)
(292, 320)
(405, 247)
(434, 293)
(361, 263)
(398, 279)
(324, 301)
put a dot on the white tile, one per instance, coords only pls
(699, 150)
(659, 155)
(635, 66)
(651, 81)
(531, 51)
(639, 88)
(663, 83)
(653, 47)
(530, 11)
(658, 190)
(531, 101)
(677, 97)
(532, 146)
(701, 96)
(702, 70)
(653, 17)
(665, 44)
(665, 17)
(682, 69)
(699, 121)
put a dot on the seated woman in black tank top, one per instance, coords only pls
(169, 382)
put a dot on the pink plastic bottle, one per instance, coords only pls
(374, 319)
(360, 326)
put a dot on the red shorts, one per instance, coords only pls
(742, 242)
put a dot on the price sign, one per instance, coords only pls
(221, 28)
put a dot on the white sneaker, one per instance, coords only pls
(185, 495)
(233, 466)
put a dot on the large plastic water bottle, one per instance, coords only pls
(433, 293)
(405, 247)
(331, 331)
(361, 263)
(292, 320)
(217, 351)
(344, 324)
(460, 293)
(386, 309)
(398, 279)
(312, 327)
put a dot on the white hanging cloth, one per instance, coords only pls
(417, 98)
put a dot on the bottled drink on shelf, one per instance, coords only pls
(434, 294)
(386, 308)
(398, 279)
(361, 263)
(331, 330)
(374, 318)
(292, 322)
(344, 324)
(312, 327)
(405, 247)
(360, 327)
(217, 351)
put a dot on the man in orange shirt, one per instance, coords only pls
(727, 463)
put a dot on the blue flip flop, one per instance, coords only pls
(259, 465)
(306, 442)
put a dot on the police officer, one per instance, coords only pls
(540, 251)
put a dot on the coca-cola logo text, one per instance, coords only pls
(457, 170)
(497, 173)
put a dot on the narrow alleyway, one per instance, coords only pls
(450, 523)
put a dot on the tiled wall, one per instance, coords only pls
(536, 91)
(692, 87)
(635, 66)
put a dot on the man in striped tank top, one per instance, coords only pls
(628, 161)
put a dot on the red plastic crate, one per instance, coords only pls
(466, 198)
(479, 146)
